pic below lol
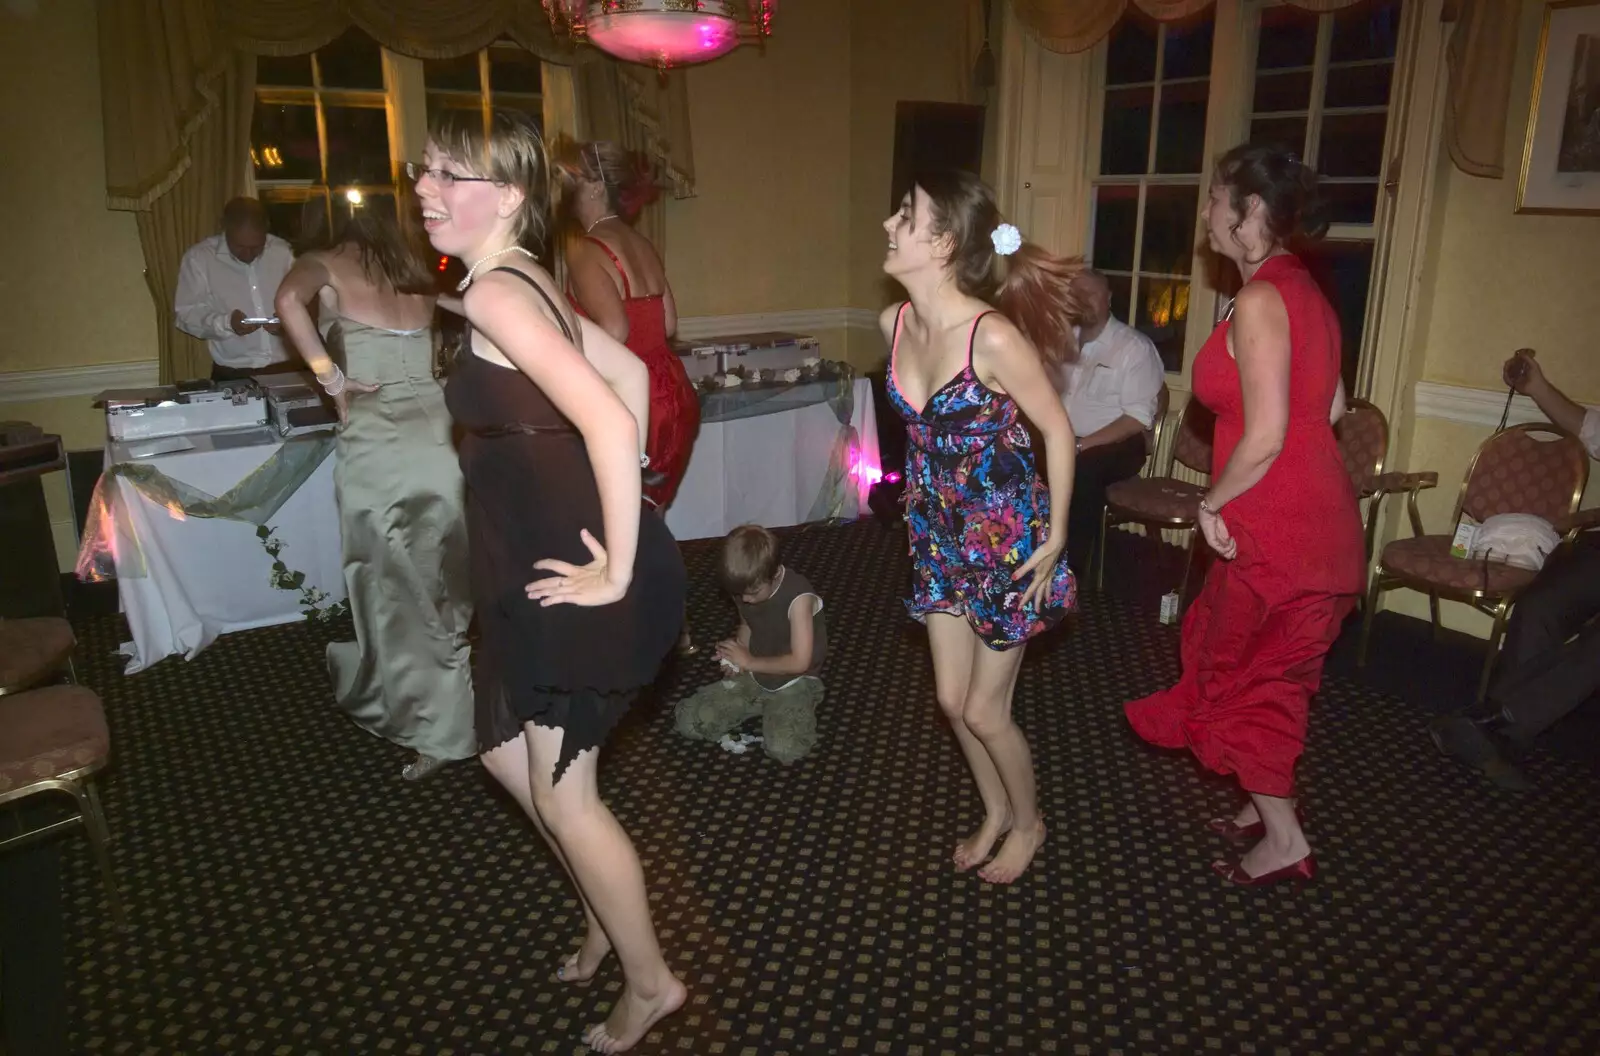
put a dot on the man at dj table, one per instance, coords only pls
(226, 288)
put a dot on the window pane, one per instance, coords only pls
(1366, 31)
(1364, 85)
(1282, 91)
(297, 219)
(1351, 203)
(358, 145)
(1125, 132)
(293, 71)
(1170, 229)
(1352, 144)
(453, 100)
(283, 143)
(1188, 51)
(1162, 310)
(351, 61)
(1116, 220)
(1288, 38)
(1343, 269)
(1131, 53)
(532, 105)
(458, 74)
(515, 70)
(1121, 290)
(376, 202)
(1286, 132)
(1181, 135)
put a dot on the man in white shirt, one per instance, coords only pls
(1111, 394)
(228, 280)
(1551, 660)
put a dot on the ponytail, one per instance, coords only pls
(1035, 293)
(1028, 284)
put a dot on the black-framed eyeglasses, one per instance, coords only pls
(444, 178)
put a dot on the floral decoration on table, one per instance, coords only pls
(286, 578)
(811, 369)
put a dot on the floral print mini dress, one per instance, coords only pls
(975, 508)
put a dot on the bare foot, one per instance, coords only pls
(975, 848)
(1015, 856)
(581, 966)
(633, 1015)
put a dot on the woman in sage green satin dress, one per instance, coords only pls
(406, 677)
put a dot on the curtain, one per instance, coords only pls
(639, 109)
(1482, 51)
(423, 29)
(176, 110)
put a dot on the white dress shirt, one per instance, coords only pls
(1590, 433)
(1118, 373)
(213, 283)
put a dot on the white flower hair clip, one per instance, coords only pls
(1007, 239)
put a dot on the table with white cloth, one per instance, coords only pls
(179, 522)
(779, 456)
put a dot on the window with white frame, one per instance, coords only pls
(1321, 87)
(319, 139)
(1151, 161)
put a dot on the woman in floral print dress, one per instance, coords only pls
(988, 536)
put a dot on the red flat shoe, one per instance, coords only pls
(1299, 873)
(1235, 833)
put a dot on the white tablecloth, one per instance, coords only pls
(769, 469)
(205, 577)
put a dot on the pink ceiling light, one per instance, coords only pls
(664, 33)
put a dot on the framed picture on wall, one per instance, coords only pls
(1561, 158)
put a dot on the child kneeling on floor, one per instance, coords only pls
(771, 664)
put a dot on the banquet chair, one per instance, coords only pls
(34, 651)
(1536, 469)
(1165, 501)
(1157, 432)
(55, 740)
(1363, 435)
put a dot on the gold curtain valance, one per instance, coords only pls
(423, 29)
(1068, 26)
(1482, 51)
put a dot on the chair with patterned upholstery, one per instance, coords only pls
(1165, 501)
(55, 740)
(1363, 435)
(33, 651)
(1536, 469)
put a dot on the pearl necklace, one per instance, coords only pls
(472, 271)
(597, 223)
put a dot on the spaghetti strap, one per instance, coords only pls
(972, 338)
(894, 343)
(561, 320)
(627, 287)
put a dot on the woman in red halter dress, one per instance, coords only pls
(1281, 516)
(615, 277)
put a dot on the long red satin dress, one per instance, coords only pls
(674, 404)
(1255, 639)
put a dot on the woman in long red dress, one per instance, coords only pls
(615, 277)
(1281, 516)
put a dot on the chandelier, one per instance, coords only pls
(663, 33)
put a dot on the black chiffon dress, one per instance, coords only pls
(530, 491)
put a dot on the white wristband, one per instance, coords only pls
(335, 385)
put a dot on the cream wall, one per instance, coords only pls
(72, 289)
(1495, 282)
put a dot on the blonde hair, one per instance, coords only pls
(749, 559)
(508, 149)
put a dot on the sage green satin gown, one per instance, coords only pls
(401, 498)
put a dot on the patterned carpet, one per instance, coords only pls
(290, 894)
